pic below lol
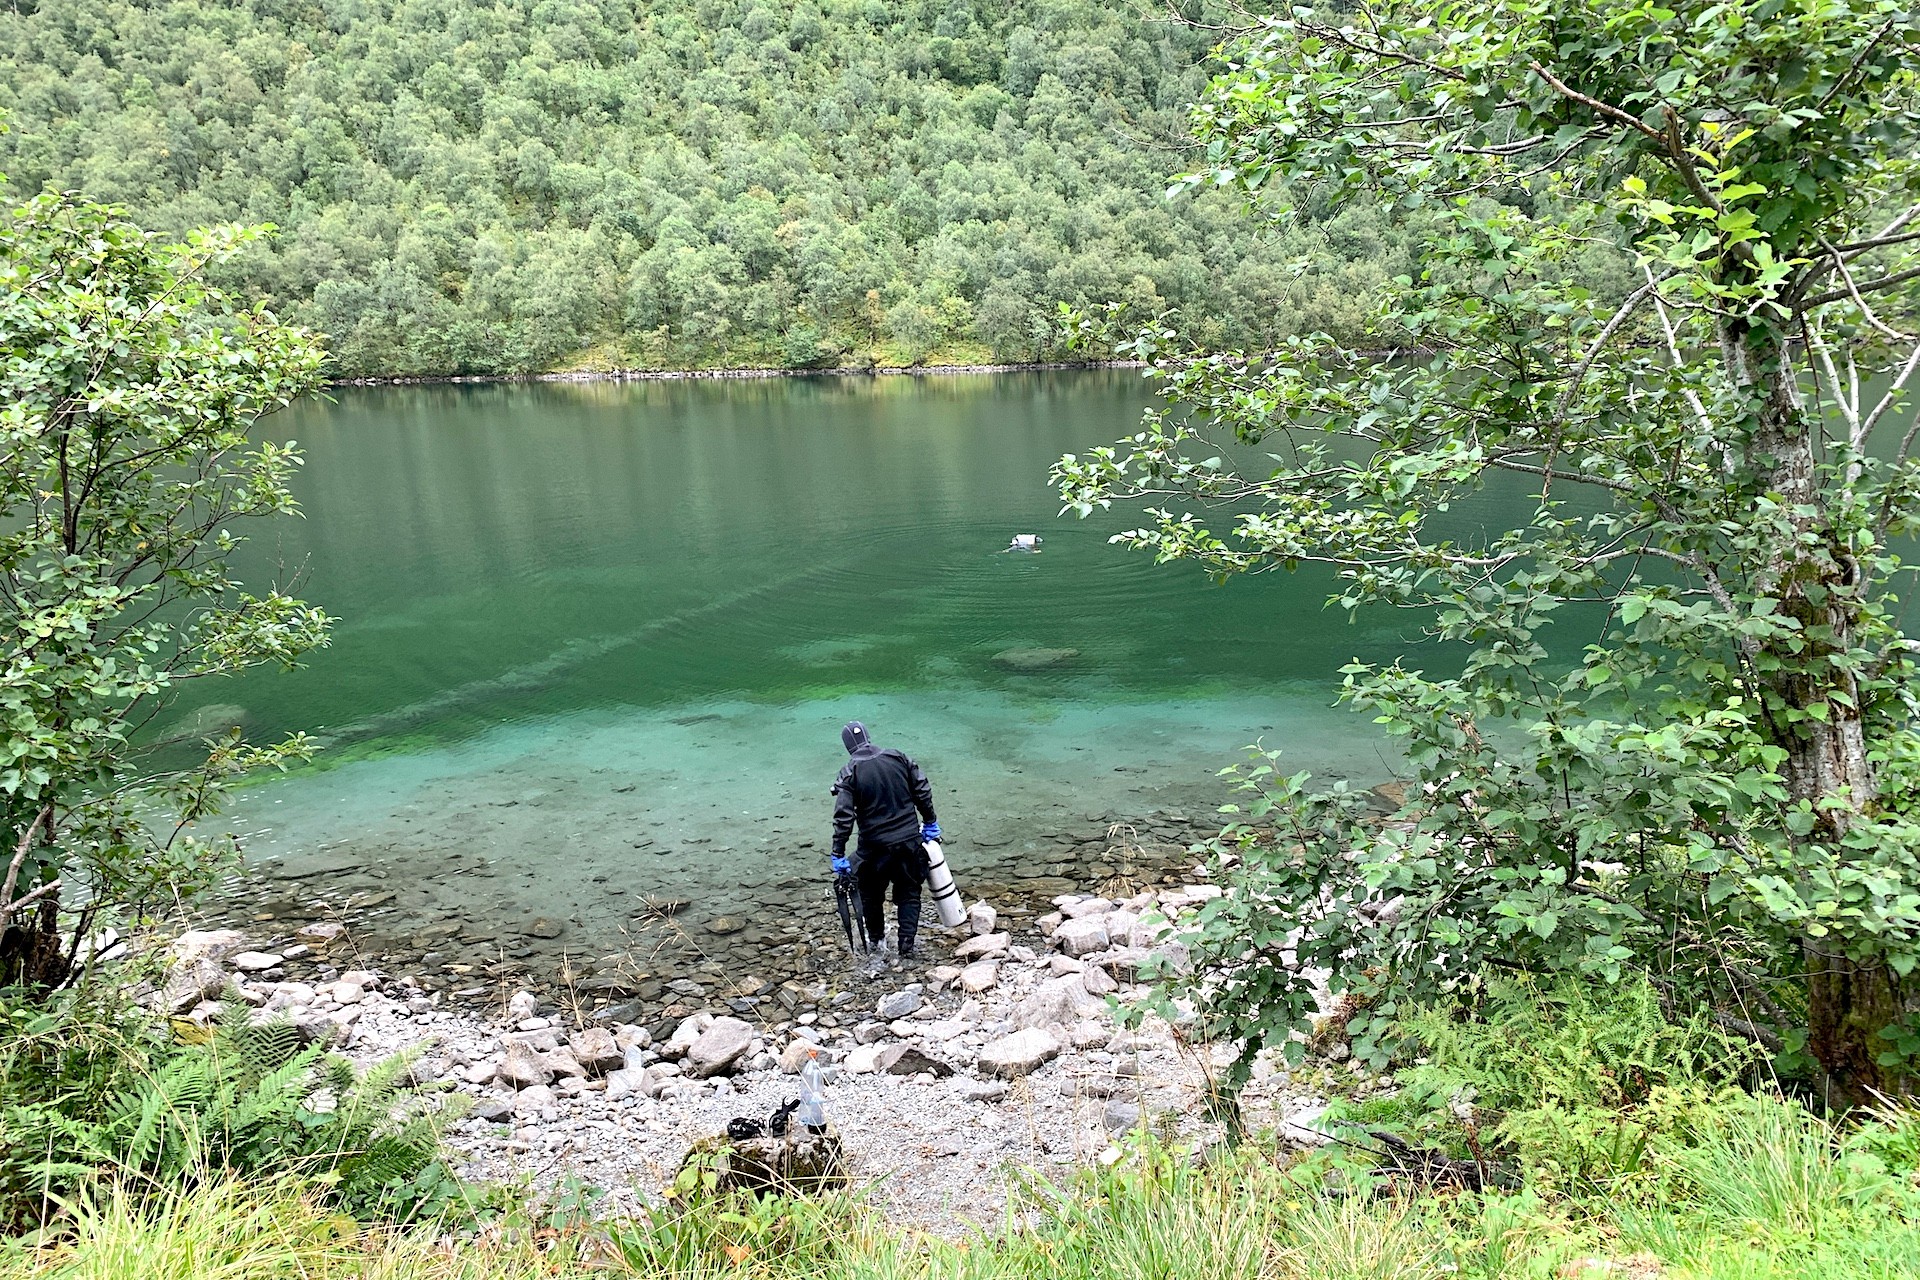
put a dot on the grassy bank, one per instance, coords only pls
(1763, 1190)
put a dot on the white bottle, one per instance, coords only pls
(813, 1103)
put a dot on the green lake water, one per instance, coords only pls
(596, 640)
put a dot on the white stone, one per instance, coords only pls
(257, 961)
(685, 1034)
(522, 1005)
(864, 1060)
(523, 1066)
(1081, 936)
(347, 992)
(1085, 907)
(979, 976)
(1019, 1054)
(981, 918)
(627, 1083)
(983, 1090)
(596, 1050)
(321, 933)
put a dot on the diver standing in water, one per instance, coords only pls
(888, 797)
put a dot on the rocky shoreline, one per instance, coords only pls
(999, 1052)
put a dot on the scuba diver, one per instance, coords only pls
(886, 795)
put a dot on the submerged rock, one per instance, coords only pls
(1034, 659)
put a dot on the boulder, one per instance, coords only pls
(1098, 981)
(981, 918)
(1019, 1054)
(1057, 1002)
(986, 944)
(346, 992)
(596, 1050)
(979, 976)
(1081, 937)
(905, 1060)
(720, 1046)
(1084, 907)
(565, 1064)
(523, 1066)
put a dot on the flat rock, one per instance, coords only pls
(986, 944)
(724, 925)
(720, 1046)
(544, 927)
(257, 961)
(1019, 1054)
(984, 1090)
(1085, 907)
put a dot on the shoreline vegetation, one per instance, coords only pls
(723, 373)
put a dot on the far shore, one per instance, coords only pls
(676, 375)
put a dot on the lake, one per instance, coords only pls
(596, 642)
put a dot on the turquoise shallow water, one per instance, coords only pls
(612, 630)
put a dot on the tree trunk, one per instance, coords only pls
(30, 952)
(1817, 584)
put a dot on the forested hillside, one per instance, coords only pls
(529, 184)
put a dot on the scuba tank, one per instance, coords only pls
(946, 894)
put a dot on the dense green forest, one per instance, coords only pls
(464, 186)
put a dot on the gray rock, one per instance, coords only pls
(545, 927)
(981, 918)
(868, 1032)
(1098, 981)
(983, 946)
(492, 1110)
(1121, 1117)
(897, 1005)
(720, 1046)
(1085, 907)
(689, 1030)
(565, 1064)
(1019, 1054)
(597, 1050)
(193, 982)
(523, 1066)
(905, 1060)
(1057, 1002)
(1081, 937)
(532, 1100)
(984, 1090)
(522, 1005)
(257, 961)
(724, 925)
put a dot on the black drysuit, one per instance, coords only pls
(888, 797)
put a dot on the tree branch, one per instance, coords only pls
(1871, 286)
(7, 904)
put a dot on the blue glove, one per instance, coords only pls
(841, 865)
(930, 832)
